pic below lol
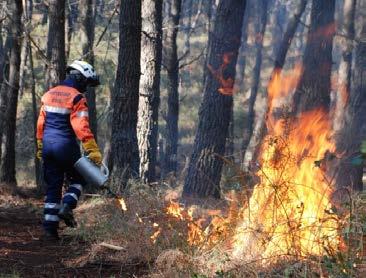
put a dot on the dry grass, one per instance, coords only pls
(169, 254)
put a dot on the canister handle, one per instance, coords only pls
(104, 170)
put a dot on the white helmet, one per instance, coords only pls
(86, 70)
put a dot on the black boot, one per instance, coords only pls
(49, 235)
(65, 213)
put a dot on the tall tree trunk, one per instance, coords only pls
(56, 43)
(172, 66)
(314, 86)
(28, 7)
(37, 164)
(1, 50)
(344, 71)
(260, 30)
(149, 98)
(353, 123)
(87, 27)
(72, 15)
(279, 63)
(242, 62)
(44, 9)
(8, 162)
(230, 140)
(124, 148)
(204, 171)
(4, 75)
(187, 26)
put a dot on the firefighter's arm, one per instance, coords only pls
(39, 134)
(79, 119)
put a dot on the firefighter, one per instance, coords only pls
(63, 120)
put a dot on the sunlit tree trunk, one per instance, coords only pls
(149, 99)
(242, 61)
(313, 90)
(260, 30)
(7, 173)
(87, 27)
(55, 71)
(172, 67)
(4, 75)
(37, 164)
(27, 19)
(353, 124)
(72, 15)
(1, 50)
(344, 72)
(204, 171)
(125, 96)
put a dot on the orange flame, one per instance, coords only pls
(195, 232)
(227, 84)
(122, 203)
(281, 85)
(289, 212)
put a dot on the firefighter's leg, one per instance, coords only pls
(53, 176)
(73, 193)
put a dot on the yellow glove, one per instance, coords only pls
(39, 149)
(92, 150)
(363, 148)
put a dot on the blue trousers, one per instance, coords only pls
(59, 156)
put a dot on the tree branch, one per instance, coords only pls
(193, 60)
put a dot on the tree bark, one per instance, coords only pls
(28, 9)
(172, 67)
(344, 71)
(204, 171)
(314, 86)
(37, 164)
(124, 148)
(1, 51)
(352, 133)
(259, 130)
(242, 62)
(55, 70)
(149, 98)
(288, 36)
(87, 27)
(260, 30)
(8, 162)
(4, 76)
(72, 15)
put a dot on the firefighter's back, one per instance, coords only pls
(57, 104)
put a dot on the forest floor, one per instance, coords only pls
(152, 243)
(23, 253)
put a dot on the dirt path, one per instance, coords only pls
(23, 254)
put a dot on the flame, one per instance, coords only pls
(227, 84)
(122, 203)
(155, 236)
(289, 212)
(175, 210)
(281, 85)
(195, 231)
